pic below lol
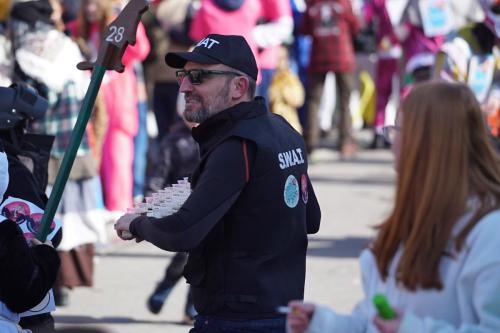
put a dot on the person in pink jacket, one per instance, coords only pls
(120, 95)
(388, 53)
(274, 28)
(227, 17)
(240, 17)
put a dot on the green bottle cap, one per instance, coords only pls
(385, 311)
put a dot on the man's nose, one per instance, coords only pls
(186, 85)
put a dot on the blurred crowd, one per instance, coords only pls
(355, 57)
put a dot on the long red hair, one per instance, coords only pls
(446, 158)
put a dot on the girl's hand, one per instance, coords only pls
(298, 319)
(388, 326)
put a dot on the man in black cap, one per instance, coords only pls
(252, 205)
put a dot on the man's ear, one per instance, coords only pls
(240, 87)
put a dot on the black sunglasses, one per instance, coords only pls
(197, 76)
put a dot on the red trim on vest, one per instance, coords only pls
(245, 157)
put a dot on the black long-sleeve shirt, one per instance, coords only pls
(223, 178)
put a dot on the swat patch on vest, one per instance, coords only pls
(290, 158)
(303, 188)
(291, 191)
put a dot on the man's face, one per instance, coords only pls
(208, 98)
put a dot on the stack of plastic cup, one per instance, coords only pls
(165, 202)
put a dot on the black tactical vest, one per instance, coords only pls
(253, 260)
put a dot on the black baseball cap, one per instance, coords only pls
(230, 50)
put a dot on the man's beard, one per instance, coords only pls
(219, 103)
(197, 116)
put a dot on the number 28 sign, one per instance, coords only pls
(116, 34)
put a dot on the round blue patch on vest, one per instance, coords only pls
(291, 192)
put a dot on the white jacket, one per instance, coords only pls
(469, 301)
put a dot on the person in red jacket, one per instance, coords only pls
(331, 24)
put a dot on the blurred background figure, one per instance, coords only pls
(471, 55)
(5, 7)
(265, 24)
(176, 158)
(300, 50)
(121, 101)
(141, 138)
(227, 17)
(274, 28)
(389, 52)
(173, 154)
(173, 274)
(70, 9)
(5, 44)
(418, 33)
(167, 26)
(419, 68)
(331, 24)
(286, 93)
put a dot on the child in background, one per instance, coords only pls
(418, 69)
(175, 158)
(389, 52)
(286, 93)
(436, 255)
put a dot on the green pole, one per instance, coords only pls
(70, 154)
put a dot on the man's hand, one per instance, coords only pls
(122, 226)
(388, 326)
(299, 318)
